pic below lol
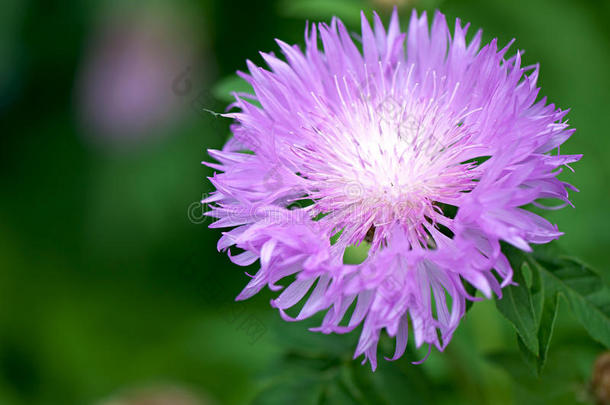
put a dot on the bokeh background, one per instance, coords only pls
(111, 288)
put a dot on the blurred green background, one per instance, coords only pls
(111, 286)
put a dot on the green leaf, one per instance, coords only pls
(531, 306)
(550, 308)
(528, 357)
(581, 286)
(519, 304)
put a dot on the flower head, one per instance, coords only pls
(420, 144)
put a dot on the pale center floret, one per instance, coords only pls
(391, 162)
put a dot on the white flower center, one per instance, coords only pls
(388, 160)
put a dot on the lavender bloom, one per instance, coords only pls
(383, 147)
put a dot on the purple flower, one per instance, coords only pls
(428, 155)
